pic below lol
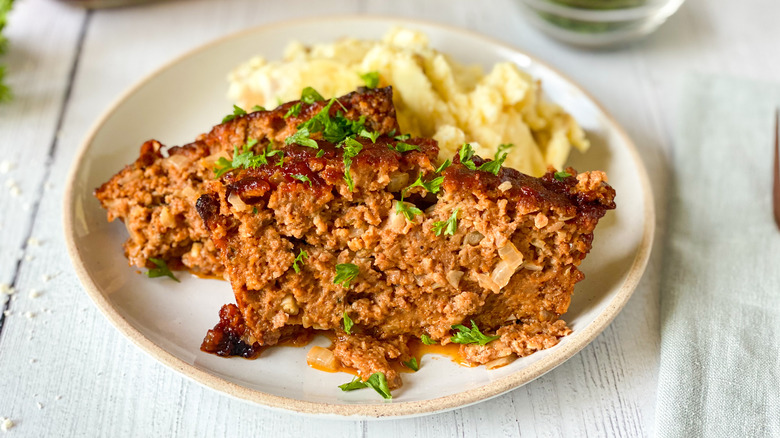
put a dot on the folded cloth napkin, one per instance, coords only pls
(720, 296)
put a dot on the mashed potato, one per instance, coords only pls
(434, 96)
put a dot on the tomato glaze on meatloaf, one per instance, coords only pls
(509, 264)
(155, 195)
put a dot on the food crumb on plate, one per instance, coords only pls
(6, 424)
(6, 166)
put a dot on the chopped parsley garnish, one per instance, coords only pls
(334, 129)
(503, 147)
(303, 178)
(402, 147)
(352, 147)
(347, 323)
(345, 273)
(269, 152)
(237, 111)
(320, 153)
(161, 270)
(412, 364)
(377, 381)
(403, 137)
(310, 95)
(258, 108)
(245, 159)
(561, 175)
(466, 153)
(254, 211)
(471, 335)
(443, 166)
(356, 383)
(301, 137)
(300, 258)
(407, 209)
(280, 163)
(371, 79)
(432, 186)
(492, 166)
(427, 340)
(293, 111)
(369, 135)
(498, 160)
(449, 226)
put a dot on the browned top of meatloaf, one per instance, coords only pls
(155, 195)
(411, 281)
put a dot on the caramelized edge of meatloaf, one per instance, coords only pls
(509, 266)
(155, 195)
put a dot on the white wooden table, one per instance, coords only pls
(65, 371)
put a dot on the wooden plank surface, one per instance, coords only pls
(66, 371)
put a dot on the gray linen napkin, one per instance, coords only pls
(720, 297)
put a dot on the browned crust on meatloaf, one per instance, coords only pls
(262, 218)
(155, 196)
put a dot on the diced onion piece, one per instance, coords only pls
(511, 259)
(237, 202)
(190, 193)
(541, 221)
(502, 273)
(322, 359)
(531, 267)
(510, 254)
(289, 305)
(177, 161)
(565, 218)
(504, 186)
(500, 362)
(211, 161)
(166, 218)
(398, 182)
(486, 282)
(473, 238)
(195, 250)
(453, 278)
(396, 221)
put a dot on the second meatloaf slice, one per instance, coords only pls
(465, 245)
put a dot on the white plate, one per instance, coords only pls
(168, 320)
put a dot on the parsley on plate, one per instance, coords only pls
(471, 335)
(162, 270)
(377, 381)
(412, 364)
(427, 340)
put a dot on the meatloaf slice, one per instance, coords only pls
(155, 196)
(508, 262)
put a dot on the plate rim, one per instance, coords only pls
(376, 410)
